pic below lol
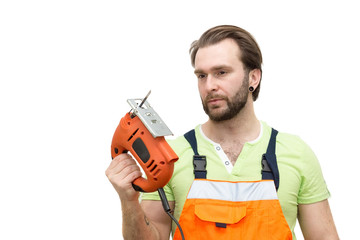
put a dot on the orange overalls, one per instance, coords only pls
(224, 210)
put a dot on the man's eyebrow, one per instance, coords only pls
(198, 71)
(215, 68)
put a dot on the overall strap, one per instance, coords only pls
(269, 163)
(199, 161)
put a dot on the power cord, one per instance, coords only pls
(167, 209)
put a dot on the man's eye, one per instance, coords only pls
(221, 73)
(201, 76)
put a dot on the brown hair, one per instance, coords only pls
(250, 52)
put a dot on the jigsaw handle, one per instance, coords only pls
(117, 150)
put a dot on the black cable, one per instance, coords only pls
(177, 223)
(167, 209)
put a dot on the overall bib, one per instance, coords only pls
(225, 210)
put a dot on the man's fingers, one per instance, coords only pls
(132, 175)
(122, 160)
(123, 169)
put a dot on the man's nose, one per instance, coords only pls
(212, 83)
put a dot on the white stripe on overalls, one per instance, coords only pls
(233, 191)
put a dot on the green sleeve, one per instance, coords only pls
(155, 195)
(313, 187)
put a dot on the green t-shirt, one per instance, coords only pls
(301, 179)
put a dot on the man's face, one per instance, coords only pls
(223, 83)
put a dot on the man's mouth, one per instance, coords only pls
(215, 100)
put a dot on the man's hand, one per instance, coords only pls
(121, 172)
(151, 224)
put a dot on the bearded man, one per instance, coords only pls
(236, 177)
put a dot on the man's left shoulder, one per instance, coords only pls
(284, 138)
(291, 143)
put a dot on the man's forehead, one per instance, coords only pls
(221, 54)
(227, 43)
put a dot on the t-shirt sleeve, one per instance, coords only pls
(313, 187)
(155, 195)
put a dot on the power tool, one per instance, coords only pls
(141, 131)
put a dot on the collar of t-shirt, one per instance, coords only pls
(227, 163)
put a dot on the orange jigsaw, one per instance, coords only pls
(142, 131)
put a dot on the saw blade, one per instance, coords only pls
(144, 99)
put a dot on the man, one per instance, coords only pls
(227, 62)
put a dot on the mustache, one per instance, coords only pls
(214, 96)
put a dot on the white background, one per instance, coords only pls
(67, 68)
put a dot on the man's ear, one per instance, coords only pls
(254, 78)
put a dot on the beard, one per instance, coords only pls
(234, 105)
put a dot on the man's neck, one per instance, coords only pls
(244, 127)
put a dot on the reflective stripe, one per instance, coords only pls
(233, 191)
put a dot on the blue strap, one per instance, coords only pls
(199, 161)
(190, 137)
(269, 162)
